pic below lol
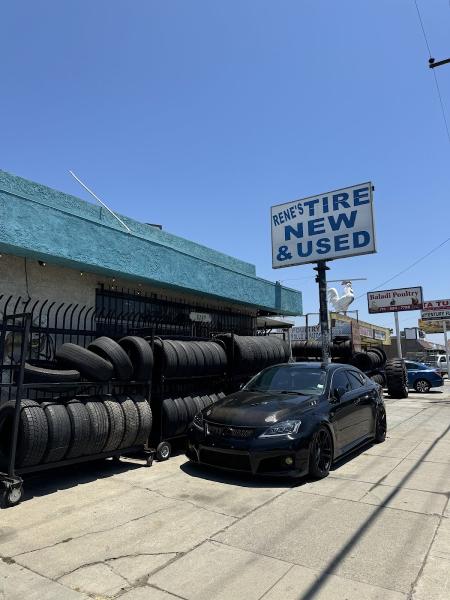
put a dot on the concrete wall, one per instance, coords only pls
(40, 223)
(24, 277)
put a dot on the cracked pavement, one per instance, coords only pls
(377, 528)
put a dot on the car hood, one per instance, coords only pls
(258, 409)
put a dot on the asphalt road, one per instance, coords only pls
(377, 528)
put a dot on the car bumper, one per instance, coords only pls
(258, 457)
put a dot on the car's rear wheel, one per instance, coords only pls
(422, 386)
(320, 453)
(381, 425)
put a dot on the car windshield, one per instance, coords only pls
(306, 381)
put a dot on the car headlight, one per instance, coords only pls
(282, 428)
(198, 421)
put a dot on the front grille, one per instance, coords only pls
(227, 460)
(242, 433)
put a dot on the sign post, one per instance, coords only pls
(321, 279)
(320, 228)
(438, 310)
(397, 335)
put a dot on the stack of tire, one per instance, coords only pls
(55, 431)
(313, 349)
(193, 373)
(68, 428)
(247, 355)
(396, 378)
(176, 358)
(178, 413)
(371, 362)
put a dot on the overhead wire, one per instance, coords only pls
(447, 128)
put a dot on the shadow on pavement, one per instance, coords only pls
(53, 480)
(331, 567)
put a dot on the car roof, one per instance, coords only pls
(316, 365)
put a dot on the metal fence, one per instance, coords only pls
(117, 313)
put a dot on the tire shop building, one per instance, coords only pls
(81, 273)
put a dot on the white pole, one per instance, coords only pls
(101, 201)
(446, 347)
(397, 333)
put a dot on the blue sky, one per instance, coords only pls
(201, 114)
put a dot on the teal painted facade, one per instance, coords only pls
(42, 223)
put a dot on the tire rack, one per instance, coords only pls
(11, 481)
(160, 442)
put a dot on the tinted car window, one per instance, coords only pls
(309, 381)
(410, 366)
(356, 380)
(340, 380)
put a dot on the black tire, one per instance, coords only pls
(381, 353)
(116, 420)
(59, 431)
(219, 357)
(131, 414)
(32, 436)
(170, 417)
(34, 374)
(198, 404)
(80, 426)
(182, 416)
(321, 453)
(199, 358)
(163, 451)
(99, 426)
(11, 495)
(145, 420)
(396, 378)
(90, 365)
(191, 408)
(210, 358)
(141, 356)
(170, 367)
(380, 425)
(422, 386)
(115, 354)
(221, 395)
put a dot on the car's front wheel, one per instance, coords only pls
(381, 425)
(321, 453)
(422, 386)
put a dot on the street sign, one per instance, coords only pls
(433, 326)
(324, 227)
(436, 310)
(395, 300)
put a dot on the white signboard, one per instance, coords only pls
(436, 310)
(395, 300)
(200, 317)
(324, 227)
(314, 332)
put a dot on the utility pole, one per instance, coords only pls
(432, 63)
(323, 300)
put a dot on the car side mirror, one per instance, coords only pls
(338, 393)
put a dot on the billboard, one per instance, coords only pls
(395, 300)
(434, 326)
(333, 225)
(435, 310)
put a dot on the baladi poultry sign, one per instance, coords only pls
(395, 300)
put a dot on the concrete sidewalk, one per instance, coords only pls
(377, 528)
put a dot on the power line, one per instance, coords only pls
(407, 268)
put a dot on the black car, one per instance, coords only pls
(290, 419)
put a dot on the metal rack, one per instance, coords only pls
(11, 482)
(161, 443)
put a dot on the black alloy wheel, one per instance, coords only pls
(381, 425)
(321, 453)
(422, 386)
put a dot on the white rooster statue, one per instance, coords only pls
(341, 304)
